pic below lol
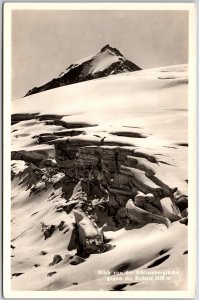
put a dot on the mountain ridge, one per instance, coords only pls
(108, 61)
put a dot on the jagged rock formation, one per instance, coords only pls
(100, 193)
(100, 176)
(108, 168)
(108, 61)
(98, 168)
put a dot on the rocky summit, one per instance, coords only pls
(108, 61)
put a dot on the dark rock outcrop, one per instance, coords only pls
(182, 202)
(47, 230)
(15, 118)
(17, 274)
(56, 259)
(50, 274)
(43, 252)
(184, 221)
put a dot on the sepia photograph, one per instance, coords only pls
(99, 137)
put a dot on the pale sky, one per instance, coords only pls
(45, 43)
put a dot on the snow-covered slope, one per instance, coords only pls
(108, 61)
(97, 166)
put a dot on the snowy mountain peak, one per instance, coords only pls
(111, 49)
(108, 61)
